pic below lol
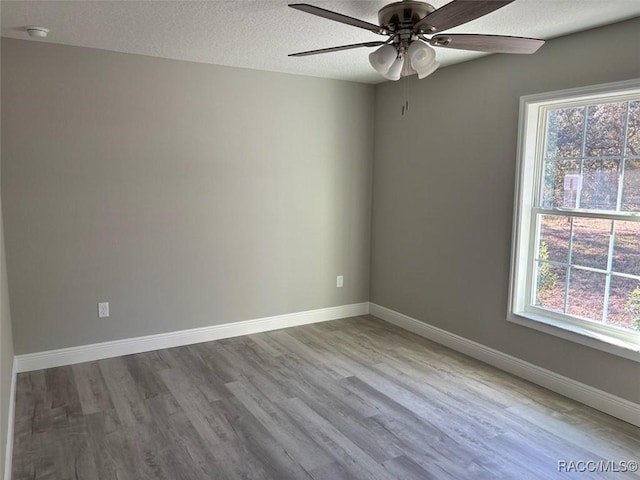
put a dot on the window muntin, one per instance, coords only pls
(588, 268)
(577, 244)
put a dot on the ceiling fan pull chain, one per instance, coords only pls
(405, 87)
(405, 104)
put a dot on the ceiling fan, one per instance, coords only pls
(413, 27)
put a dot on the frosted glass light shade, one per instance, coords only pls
(396, 70)
(382, 59)
(423, 58)
(428, 71)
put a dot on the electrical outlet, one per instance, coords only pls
(339, 281)
(103, 309)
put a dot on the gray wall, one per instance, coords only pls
(184, 194)
(443, 196)
(189, 195)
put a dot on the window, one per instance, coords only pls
(576, 250)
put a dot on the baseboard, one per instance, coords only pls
(593, 397)
(8, 453)
(98, 351)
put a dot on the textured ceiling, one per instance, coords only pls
(260, 34)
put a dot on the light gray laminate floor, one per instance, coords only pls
(355, 399)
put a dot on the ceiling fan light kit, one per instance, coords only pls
(382, 59)
(395, 71)
(428, 71)
(389, 62)
(408, 50)
(422, 58)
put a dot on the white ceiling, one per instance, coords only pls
(260, 34)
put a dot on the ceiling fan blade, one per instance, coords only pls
(488, 43)
(456, 13)
(337, 17)
(337, 49)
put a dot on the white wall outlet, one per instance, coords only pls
(103, 309)
(339, 281)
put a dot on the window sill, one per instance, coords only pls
(576, 334)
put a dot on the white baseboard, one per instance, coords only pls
(98, 351)
(593, 397)
(8, 453)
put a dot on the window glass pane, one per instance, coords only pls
(591, 238)
(554, 238)
(605, 129)
(633, 138)
(561, 183)
(600, 184)
(584, 267)
(624, 303)
(631, 186)
(626, 248)
(586, 294)
(565, 131)
(550, 286)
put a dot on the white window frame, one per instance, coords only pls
(532, 127)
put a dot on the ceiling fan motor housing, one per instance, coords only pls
(403, 14)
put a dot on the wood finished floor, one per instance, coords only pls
(350, 399)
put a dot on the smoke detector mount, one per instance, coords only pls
(38, 32)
